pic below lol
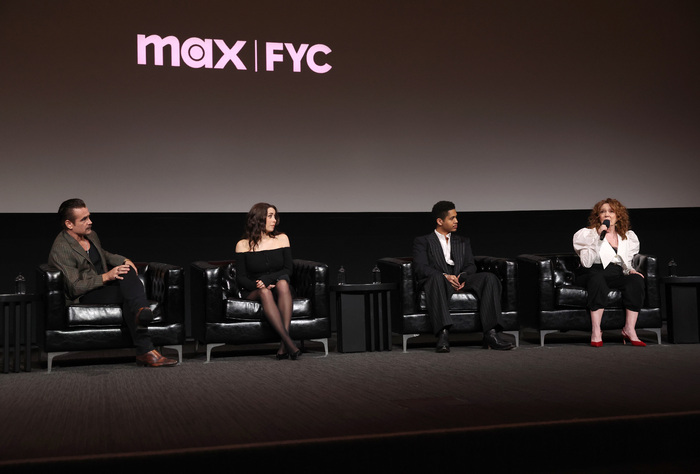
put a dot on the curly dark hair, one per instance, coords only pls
(441, 209)
(623, 218)
(255, 224)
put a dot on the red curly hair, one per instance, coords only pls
(623, 218)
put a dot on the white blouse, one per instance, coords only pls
(591, 249)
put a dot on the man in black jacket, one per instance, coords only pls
(444, 264)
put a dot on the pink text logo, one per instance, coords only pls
(217, 54)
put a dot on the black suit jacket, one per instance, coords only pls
(428, 258)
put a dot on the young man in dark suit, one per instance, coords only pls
(94, 276)
(444, 264)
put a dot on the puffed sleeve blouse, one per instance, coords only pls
(591, 250)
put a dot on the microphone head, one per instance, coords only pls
(606, 222)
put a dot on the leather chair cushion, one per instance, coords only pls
(570, 297)
(84, 315)
(237, 309)
(90, 315)
(463, 301)
(577, 297)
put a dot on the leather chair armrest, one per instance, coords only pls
(505, 269)
(165, 283)
(535, 277)
(50, 287)
(310, 280)
(399, 270)
(647, 266)
(206, 298)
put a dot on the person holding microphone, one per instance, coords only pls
(606, 249)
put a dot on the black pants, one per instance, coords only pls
(129, 293)
(487, 288)
(599, 281)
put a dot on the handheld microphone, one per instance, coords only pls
(606, 223)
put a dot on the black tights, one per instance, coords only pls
(277, 306)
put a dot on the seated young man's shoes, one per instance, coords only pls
(443, 344)
(493, 340)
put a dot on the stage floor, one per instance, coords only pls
(356, 405)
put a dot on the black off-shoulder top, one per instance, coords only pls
(268, 266)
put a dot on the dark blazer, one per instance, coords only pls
(428, 258)
(79, 274)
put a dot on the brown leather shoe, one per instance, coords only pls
(154, 359)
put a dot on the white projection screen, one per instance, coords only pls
(348, 106)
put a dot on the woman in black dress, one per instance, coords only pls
(263, 268)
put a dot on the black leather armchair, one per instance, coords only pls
(408, 310)
(550, 302)
(220, 316)
(78, 327)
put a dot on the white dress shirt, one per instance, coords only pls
(591, 249)
(444, 243)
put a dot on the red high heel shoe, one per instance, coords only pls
(626, 338)
(597, 344)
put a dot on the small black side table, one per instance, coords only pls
(682, 302)
(16, 312)
(377, 323)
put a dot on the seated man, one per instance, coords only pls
(443, 264)
(94, 276)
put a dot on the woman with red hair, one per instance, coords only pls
(606, 248)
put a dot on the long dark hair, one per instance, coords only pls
(255, 224)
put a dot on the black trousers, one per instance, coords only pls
(487, 288)
(129, 293)
(598, 281)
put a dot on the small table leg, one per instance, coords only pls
(19, 312)
(369, 327)
(28, 339)
(386, 322)
(6, 342)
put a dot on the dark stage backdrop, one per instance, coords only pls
(354, 240)
(348, 106)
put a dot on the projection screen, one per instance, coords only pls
(325, 106)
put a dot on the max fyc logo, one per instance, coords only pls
(198, 53)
